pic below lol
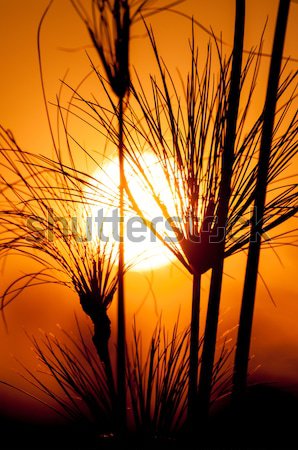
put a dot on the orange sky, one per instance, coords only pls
(275, 334)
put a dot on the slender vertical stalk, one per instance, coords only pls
(194, 352)
(209, 345)
(250, 284)
(121, 357)
(101, 336)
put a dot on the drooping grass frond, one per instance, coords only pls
(44, 217)
(185, 135)
(44, 212)
(187, 142)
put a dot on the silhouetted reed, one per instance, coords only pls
(224, 196)
(44, 217)
(258, 222)
(109, 26)
(109, 29)
(243, 169)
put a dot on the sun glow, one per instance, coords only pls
(143, 250)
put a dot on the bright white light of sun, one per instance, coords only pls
(149, 252)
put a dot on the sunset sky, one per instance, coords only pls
(64, 42)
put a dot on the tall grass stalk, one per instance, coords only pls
(109, 27)
(257, 228)
(121, 378)
(109, 30)
(228, 156)
(194, 351)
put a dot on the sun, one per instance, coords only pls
(143, 250)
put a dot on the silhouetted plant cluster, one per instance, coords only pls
(227, 178)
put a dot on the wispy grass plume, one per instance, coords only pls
(44, 212)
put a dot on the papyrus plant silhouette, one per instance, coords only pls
(109, 26)
(261, 189)
(43, 217)
(228, 157)
(109, 29)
